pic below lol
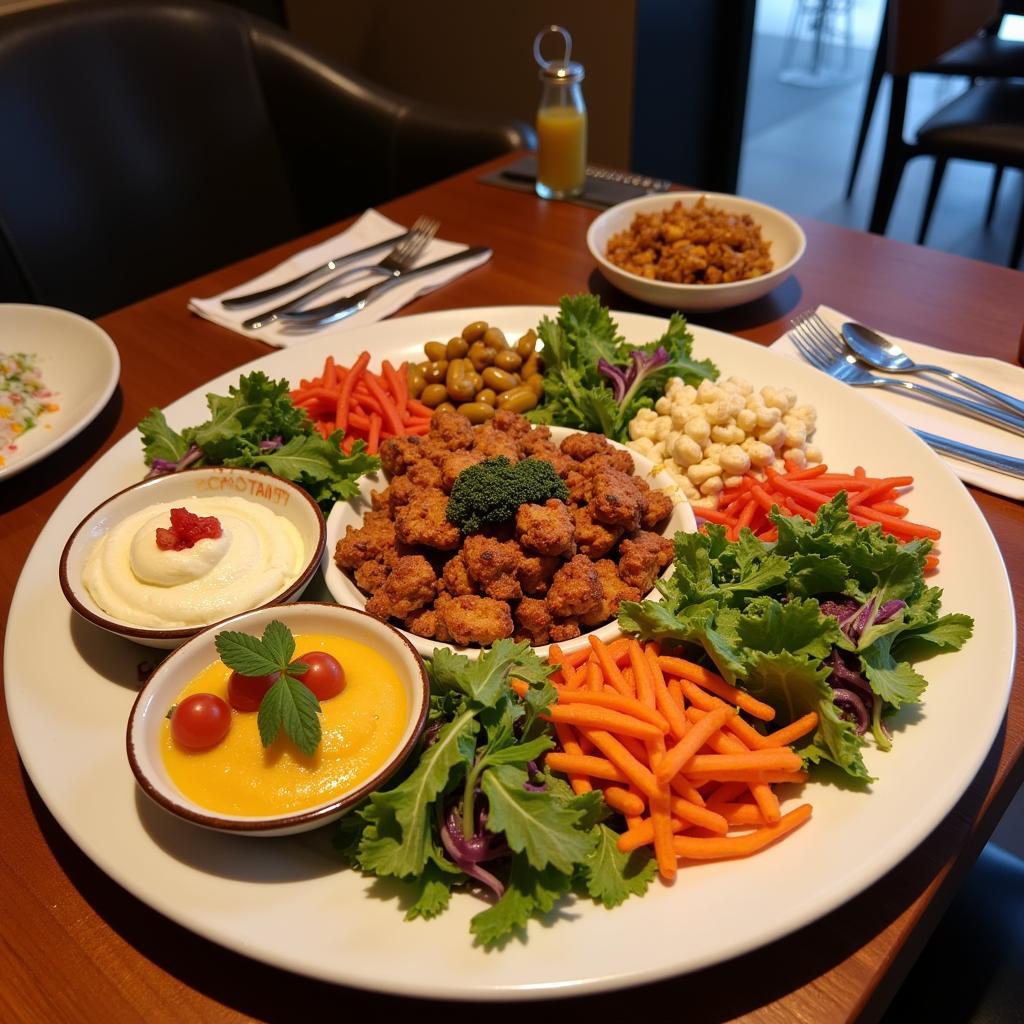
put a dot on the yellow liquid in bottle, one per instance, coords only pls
(561, 151)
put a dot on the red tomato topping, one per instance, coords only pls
(325, 676)
(186, 529)
(200, 721)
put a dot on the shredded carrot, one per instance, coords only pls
(693, 848)
(718, 686)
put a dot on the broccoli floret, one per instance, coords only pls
(492, 491)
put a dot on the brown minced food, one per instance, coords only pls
(692, 244)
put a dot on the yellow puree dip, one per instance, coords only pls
(362, 727)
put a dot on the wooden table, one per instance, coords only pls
(75, 946)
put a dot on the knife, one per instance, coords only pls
(330, 266)
(977, 456)
(332, 312)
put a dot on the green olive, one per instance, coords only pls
(530, 367)
(498, 379)
(474, 331)
(508, 359)
(424, 366)
(527, 344)
(460, 387)
(471, 374)
(456, 348)
(434, 350)
(487, 396)
(480, 355)
(437, 371)
(416, 381)
(520, 399)
(433, 395)
(445, 407)
(476, 412)
(536, 384)
(494, 337)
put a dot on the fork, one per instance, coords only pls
(398, 259)
(821, 347)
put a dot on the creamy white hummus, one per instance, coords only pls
(258, 554)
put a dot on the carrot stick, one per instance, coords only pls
(769, 759)
(727, 792)
(394, 385)
(738, 814)
(584, 764)
(701, 816)
(616, 702)
(418, 407)
(714, 516)
(623, 801)
(718, 686)
(688, 746)
(609, 667)
(890, 508)
(345, 394)
(682, 787)
(642, 676)
(638, 775)
(790, 733)
(373, 440)
(602, 718)
(671, 709)
(900, 527)
(642, 834)
(740, 846)
(567, 740)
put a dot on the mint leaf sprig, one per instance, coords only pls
(289, 703)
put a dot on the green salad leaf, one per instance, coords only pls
(594, 380)
(828, 607)
(256, 426)
(475, 808)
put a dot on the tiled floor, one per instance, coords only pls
(796, 155)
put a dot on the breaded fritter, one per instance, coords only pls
(575, 589)
(547, 529)
(475, 620)
(423, 521)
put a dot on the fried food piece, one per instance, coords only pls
(374, 541)
(534, 620)
(422, 623)
(454, 464)
(423, 521)
(547, 529)
(613, 458)
(564, 629)
(492, 565)
(451, 430)
(474, 620)
(411, 584)
(582, 446)
(512, 423)
(380, 500)
(580, 486)
(491, 443)
(424, 473)
(655, 506)
(535, 439)
(535, 573)
(575, 590)
(371, 576)
(613, 591)
(548, 452)
(456, 576)
(616, 499)
(594, 539)
(397, 454)
(642, 558)
(400, 493)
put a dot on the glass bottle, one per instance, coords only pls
(561, 123)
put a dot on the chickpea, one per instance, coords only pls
(476, 412)
(436, 371)
(519, 399)
(527, 344)
(456, 348)
(416, 381)
(498, 379)
(474, 331)
(480, 355)
(487, 396)
(433, 395)
(494, 337)
(509, 360)
(460, 387)
(434, 350)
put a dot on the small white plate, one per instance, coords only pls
(350, 513)
(77, 360)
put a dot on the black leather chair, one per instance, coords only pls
(147, 143)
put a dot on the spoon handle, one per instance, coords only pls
(975, 385)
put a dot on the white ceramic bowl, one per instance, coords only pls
(178, 669)
(785, 235)
(350, 513)
(280, 496)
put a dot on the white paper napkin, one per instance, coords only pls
(924, 416)
(370, 228)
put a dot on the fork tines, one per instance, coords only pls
(422, 231)
(815, 340)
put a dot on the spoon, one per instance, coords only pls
(883, 354)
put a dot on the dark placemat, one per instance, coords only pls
(604, 188)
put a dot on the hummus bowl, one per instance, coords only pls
(114, 575)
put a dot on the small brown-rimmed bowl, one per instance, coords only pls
(145, 725)
(280, 496)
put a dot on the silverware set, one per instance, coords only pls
(397, 264)
(843, 356)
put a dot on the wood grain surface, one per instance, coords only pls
(75, 947)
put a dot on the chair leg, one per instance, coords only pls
(894, 158)
(938, 170)
(997, 179)
(870, 98)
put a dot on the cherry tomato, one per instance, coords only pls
(246, 692)
(200, 721)
(326, 677)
